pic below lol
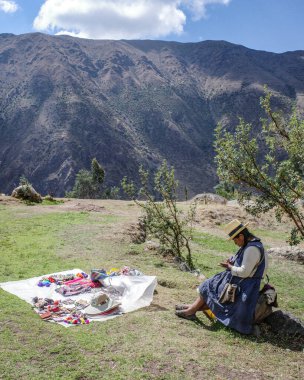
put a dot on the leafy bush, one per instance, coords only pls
(225, 190)
(26, 192)
(90, 184)
(163, 218)
(270, 180)
(84, 187)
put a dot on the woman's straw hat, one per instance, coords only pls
(234, 228)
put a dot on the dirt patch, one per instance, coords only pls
(167, 283)
(155, 307)
(7, 200)
(155, 368)
(132, 252)
(290, 253)
(83, 206)
(216, 215)
(138, 231)
(233, 374)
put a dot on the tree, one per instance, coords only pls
(84, 187)
(163, 219)
(225, 189)
(266, 169)
(97, 171)
(88, 184)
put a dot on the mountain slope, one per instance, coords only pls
(65, 100)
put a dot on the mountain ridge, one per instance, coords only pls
(65, 100)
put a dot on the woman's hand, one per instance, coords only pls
(226, 264)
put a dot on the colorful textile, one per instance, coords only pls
(60, 279)
(86, 282)
(101, 274)
(98, 274)
(70, 312)
(73, 289)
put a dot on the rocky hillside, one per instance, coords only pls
(65, 100)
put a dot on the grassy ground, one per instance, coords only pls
(150, 343)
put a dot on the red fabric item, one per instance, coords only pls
(82, 281)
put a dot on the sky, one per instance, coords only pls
(271, 25)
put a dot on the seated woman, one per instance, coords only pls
(245, 269)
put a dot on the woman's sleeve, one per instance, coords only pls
(250, 258)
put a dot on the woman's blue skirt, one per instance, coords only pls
(238, 315)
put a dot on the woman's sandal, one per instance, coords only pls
(181, 306)
(181, 314)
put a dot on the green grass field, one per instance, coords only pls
(150, 343)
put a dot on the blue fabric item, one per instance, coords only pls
(98, 274)
(239, 314)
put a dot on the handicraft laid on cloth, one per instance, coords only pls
(73, 297)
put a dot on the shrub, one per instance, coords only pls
(267, 169)
(163, 218)
(90, 184)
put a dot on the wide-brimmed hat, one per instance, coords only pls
(234, 228)
(101, 303)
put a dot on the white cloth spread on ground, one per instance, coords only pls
(136, 291)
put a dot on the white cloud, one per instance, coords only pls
(8, 6)
(119, 19)
(198, 7)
